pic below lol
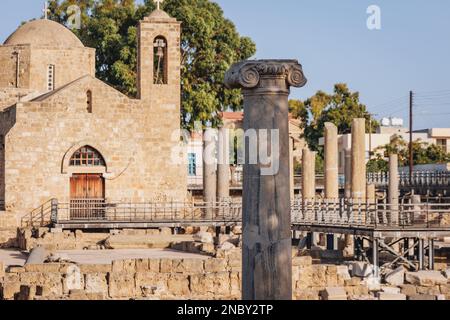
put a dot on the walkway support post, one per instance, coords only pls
(266, 249)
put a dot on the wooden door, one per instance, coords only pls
(87, 194)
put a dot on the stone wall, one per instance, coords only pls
(136, 145)
(127, 279)
(213, 278)
(70, 64)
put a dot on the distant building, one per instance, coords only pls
(384, 134)
(233, 120)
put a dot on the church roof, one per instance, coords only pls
(44, 33)
(159, 15)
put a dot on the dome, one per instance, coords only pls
(44, 33)
(159, 15)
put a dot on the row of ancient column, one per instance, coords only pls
(356, 186)
(216, 175)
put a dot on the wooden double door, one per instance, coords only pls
(87, 196)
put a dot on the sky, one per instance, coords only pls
(331, 40)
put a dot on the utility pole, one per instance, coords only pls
(411, 158)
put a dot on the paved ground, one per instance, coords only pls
(14, 257)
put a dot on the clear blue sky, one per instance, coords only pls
(330, 38)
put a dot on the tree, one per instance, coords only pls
(423, 153)
(210, 44)
(340, 108)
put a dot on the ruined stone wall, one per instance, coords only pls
(127, 279)
(214, 278)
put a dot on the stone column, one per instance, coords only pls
(223, 165)
(348, 173)
(359, 159)
(371, 193)
(209, 169)
(308, 175)
(266, 249)
(291, 167)
(331, 162)
(393, 191)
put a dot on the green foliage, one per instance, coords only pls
(339, 108)
(210, 43)
(423, 153)
(377, 165)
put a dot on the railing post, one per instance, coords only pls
(54, 210)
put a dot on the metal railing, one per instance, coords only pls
(418, 179)
(40, 216)
(338, 212)
(370, 214)
(188, 211)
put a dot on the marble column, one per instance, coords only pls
(371, 193)
(209, 169)
(266, 248)
(359, 159)
(348, 173)
(331, 162)
(393, 191)
(223, 165)
(308, 175)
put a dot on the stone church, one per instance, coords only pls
(67, 135)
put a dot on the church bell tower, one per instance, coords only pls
(159, 60)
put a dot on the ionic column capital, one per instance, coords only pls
(249, 74)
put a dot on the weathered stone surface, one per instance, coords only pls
(2, 269)
(343, 273)
(178, 284)
(302, 261)
(425, 278)
(95, 268)
(204, 237)
(396, 277)
(446, 273)
(127, 266)
(215, 265)
(334, 293)
(422, 297)
(227, 246)
(45, 267)
(408, 289)
(393, 290)
(391, 296)
(96, 283)
(73, 279)
(361, 269)
(151, 283)
(121, 285)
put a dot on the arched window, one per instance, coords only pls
(51, 77)
(87, 157)
(160, 60)
(89, 101)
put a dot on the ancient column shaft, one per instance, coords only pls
(393, 191)
(348, 173)
(331, 162)
(223, 165)
(291, 168)
(308, 175)
(359, 159)
(209, 167)
(267, 261)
